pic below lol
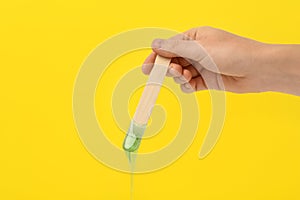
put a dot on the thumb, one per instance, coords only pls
(188, 49)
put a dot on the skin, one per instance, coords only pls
(244, 65)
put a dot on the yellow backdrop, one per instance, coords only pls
(42, 45)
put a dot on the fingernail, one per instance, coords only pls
(157, 43)
(182, 78)
(187, 85)
(174, 72)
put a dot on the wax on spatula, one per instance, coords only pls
(143, 111)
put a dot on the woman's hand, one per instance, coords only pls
(209, 58)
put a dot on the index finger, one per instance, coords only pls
(148, 63)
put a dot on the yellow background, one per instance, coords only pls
(42, 45)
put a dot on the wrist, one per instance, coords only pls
(280, 68)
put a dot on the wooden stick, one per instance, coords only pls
(151, 90)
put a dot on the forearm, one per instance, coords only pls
(281, 68)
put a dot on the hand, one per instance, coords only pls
(209, 58)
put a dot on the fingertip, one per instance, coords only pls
(156, 43)
(187, 75)
(148, 63)
(180, 79)
(150, 58)
(187, 88)
(146, 68)
(158, 47)
(175, 70)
